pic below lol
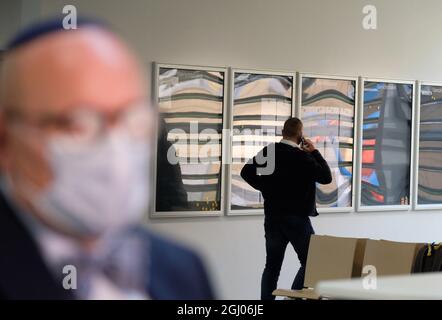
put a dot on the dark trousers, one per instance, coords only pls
(279, 231)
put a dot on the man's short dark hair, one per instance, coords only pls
(292, 127)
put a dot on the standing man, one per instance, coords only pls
(289, 191)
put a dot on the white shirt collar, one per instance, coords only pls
(290, 143)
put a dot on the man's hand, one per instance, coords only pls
(308, 146)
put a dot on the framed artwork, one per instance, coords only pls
(429, 159)
(188, 166)
(328, 113)
(386, 156)
(261, 102)
(213, 120)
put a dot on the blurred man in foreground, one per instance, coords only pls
(75, 130)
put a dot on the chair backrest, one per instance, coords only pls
(390, 257)
(331, 258)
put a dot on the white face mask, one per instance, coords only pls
(96, 188)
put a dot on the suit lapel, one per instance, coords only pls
(23, 273)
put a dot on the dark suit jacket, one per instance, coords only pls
(291, 188)
(175, 272)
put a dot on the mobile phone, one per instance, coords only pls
(302, 141)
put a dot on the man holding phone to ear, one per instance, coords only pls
(289, 193)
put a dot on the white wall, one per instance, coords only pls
(296, 35)
(10, 19)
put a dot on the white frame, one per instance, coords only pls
(249, 212)
(408, 207)
(355, 134)
(416, 205)
(155, 94)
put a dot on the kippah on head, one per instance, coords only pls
(45, 27)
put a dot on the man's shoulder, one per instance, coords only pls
(168, 247)
(178, 272)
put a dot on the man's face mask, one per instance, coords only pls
(100, 183)
(96, 188)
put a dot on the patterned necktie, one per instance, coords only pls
(123, 261)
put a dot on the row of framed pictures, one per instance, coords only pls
(381, 138)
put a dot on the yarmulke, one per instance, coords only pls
(42, 28)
